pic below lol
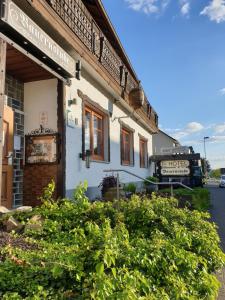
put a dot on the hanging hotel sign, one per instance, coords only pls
(175, 168)
(26, 27)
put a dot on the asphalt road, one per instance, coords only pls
(218, 216)
(218, 210)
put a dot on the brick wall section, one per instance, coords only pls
(14, 89)
(36, 178)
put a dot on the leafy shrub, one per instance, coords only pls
(150, 178)
(136, 249)
(199, 198)
(130, 188)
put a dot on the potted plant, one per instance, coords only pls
(109, 188)
(150, 187)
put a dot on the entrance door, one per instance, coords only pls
(7, 157)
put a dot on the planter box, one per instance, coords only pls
(111, 194)
(151, 188)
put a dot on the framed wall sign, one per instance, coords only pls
(41, 149)
(175, 168)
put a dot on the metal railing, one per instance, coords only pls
(170, 183)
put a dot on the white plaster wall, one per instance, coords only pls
(40, 96)
(161, 140)
(76, 170)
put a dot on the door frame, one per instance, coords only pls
(2, 99)
(7, 167)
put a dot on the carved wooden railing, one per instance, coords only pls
(77, 17)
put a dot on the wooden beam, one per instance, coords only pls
(61, 122)
(2, 93)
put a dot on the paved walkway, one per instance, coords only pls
(218, 216)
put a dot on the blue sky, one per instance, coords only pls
(177, 48)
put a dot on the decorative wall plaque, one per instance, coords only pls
(41, 147)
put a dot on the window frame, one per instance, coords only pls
(130, 133)
(93, 113)
(143, 156)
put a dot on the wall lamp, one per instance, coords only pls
(78, 70)
(72, 102)
(87, 157)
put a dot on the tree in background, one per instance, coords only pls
(216, 173)
(206, 168)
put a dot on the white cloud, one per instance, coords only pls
(217, 139)
(189, 129)
(215, 11)
(157, 7)
(222, 91)
(220, 128)
(185, 7)
(194, 127)
(147, 6)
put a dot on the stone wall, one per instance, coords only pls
(14, 90)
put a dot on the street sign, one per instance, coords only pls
(175, 167)
(175, 164)
(175, 172)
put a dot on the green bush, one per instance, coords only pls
(136, 249)
(199, 197)
(130, 187)
(150, 178)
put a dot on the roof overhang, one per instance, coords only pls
(17, 26)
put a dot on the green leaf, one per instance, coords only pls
(114, 272)
(99, 268)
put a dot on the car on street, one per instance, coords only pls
(222, 181)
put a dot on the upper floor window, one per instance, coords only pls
(143, 150)
(95, 130)
(94, 134)
(127, 147)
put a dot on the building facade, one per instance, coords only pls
(162, 140)
(71, 103)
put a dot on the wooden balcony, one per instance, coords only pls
(78, 18)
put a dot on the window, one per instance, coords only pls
(94, 134)
(127, 151)
(143, 149)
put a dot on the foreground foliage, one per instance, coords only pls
(198, 199)
(139, 249)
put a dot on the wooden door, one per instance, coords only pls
(7, 157)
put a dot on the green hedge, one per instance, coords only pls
(198, 199)
(136, 249)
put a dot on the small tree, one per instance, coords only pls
(215, 173)
(206, 168)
